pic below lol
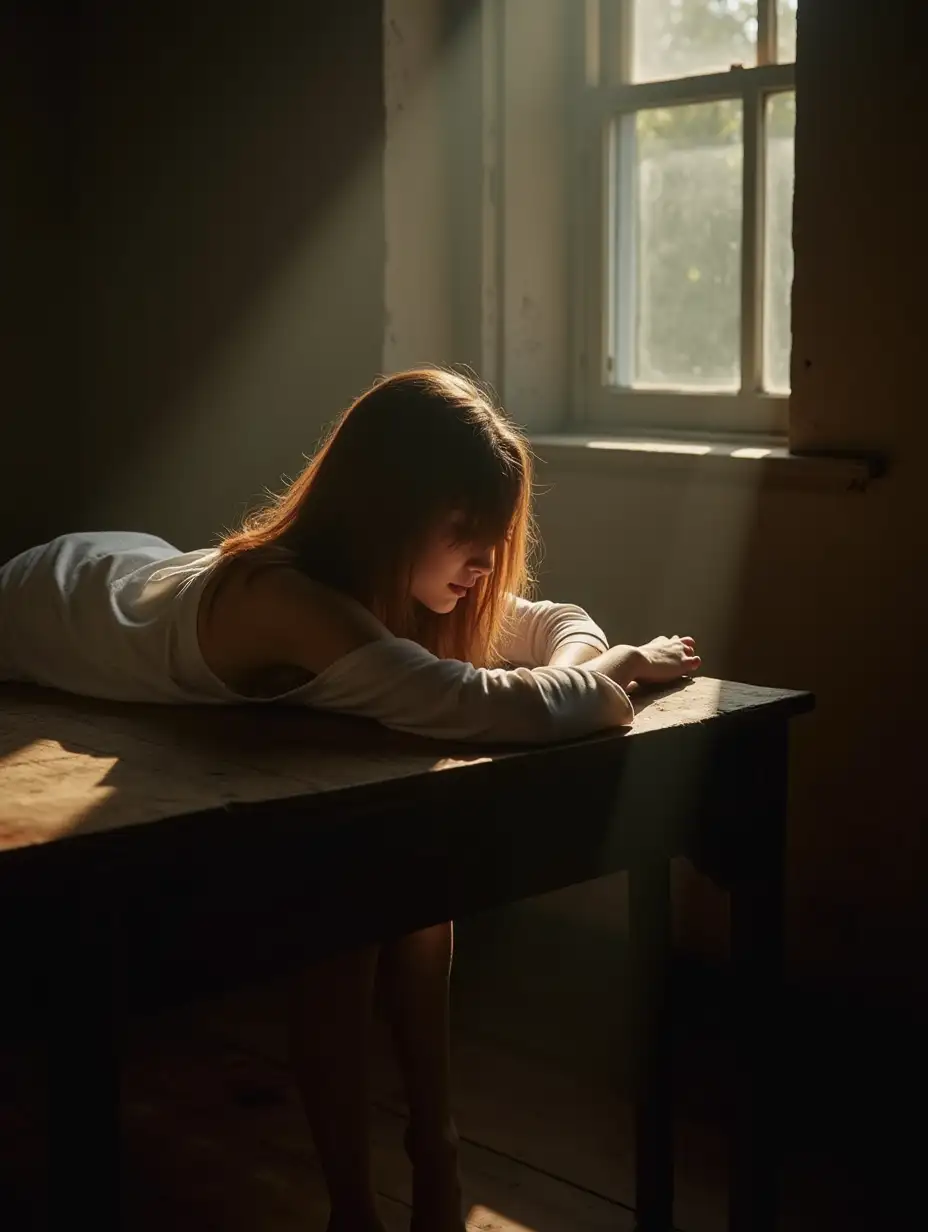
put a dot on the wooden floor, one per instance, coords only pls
(215, 1140)
(210, 1098)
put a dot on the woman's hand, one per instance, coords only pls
(666, 659)
(657, 662)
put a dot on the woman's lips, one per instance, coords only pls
(460, 591)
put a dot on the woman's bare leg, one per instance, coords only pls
(330, 1041)
(415, 975)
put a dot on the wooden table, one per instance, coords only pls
(157, 853)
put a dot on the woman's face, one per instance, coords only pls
(445, 569)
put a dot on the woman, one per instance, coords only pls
(386, 581)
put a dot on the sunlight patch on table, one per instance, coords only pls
(450, 763)
(54, 806)
(483, 1219)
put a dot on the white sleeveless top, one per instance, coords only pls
(114, 615)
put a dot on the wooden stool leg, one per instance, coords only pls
(757, 910)
(650, 936)
(84, 1013)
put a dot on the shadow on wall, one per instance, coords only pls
(212, 186)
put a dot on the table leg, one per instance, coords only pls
(757, 911)
(650, 938)
(83, 1019)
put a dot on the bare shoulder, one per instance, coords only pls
(277, 616)
(311, 624)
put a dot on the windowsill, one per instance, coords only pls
(766, 464)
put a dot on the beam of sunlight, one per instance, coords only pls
(271, 381)
(751, 452)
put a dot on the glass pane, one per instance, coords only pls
(778, 241)
(786, 31)
(686, 242)
(680, 38)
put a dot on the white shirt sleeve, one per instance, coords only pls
(402, 685)
(536, 630)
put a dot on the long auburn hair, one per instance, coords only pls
(414, 448)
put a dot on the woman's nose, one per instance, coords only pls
(483, 561)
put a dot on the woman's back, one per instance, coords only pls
(129, 617)
(106, 614)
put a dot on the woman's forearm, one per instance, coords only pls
(622, 664)
(574, 654)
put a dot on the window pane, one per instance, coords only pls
(778, 241)
(786, 31)
(680, 38)
(683, 256)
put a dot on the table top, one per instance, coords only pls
(76, 766)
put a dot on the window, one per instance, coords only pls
(686, 127)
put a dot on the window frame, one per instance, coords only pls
(600, 44)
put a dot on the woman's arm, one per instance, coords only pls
(402, 685)
(361, 669)
(573, 654)
(550, 634)
(622, 664)
(564, 635)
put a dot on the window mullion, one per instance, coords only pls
(625, 41)
(752, 230)
(767, 31)
(592, 35)
(619, 360)
(614, 28)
